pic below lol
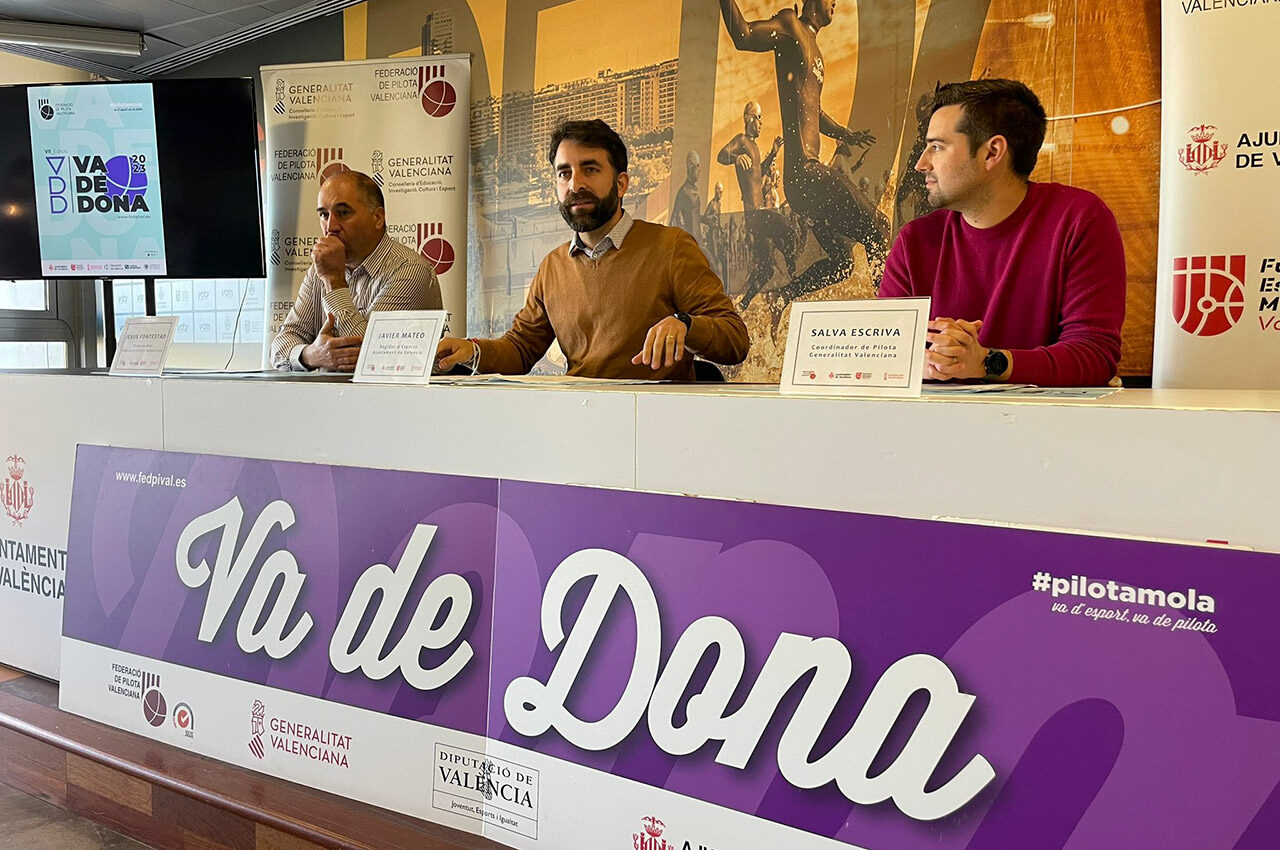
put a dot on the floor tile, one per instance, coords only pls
(33, 824)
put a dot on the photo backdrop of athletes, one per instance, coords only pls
(404, 122)
(849, 102)
(1218, 284)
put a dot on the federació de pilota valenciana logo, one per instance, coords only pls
(437, 94)
(1208, 293)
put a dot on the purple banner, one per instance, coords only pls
(890, 684)
(289, 551)
(968, 686)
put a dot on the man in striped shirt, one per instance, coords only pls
(356, 268)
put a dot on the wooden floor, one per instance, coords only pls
(32, 824)
(111, 780)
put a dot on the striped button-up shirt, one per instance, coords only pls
(392, 277)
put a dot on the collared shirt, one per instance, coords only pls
(613, 239)
(392, 277)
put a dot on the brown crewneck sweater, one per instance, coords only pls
(600, 310)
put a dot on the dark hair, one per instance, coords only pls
(998, 108)
(593, 134)
(369, 190)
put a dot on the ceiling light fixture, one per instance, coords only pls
(60, 37)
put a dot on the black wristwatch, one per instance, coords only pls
(686, 318)
(995, 364)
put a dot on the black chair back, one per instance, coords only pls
(705, 370)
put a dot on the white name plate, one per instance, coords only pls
(399, 347)
(856, 348)
(143, 345)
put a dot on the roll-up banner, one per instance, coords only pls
(556, 666)
(405, 123)
(1218, 284)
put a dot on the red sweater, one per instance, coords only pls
(1048, 282)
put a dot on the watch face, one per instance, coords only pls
(995, 363)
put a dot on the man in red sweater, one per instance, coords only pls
(1027, 279)
(624, 298)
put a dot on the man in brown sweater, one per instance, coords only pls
(625, 298)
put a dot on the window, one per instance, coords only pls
(39, 325)
(15, 354)
(220, 322)
(28, 295)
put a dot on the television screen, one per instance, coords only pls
(130, 180)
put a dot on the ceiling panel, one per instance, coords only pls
(219, 7)
(196, 31)
(122, 14)
(277, 5)
(147, 14)
(53, 12)
(247, 15)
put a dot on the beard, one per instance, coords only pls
(593, 219)
(934, 197)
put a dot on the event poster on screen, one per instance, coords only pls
(97, 179)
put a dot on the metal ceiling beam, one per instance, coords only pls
(183, 56)
(63, 37)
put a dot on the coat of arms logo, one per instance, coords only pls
(1203, 152)
(17, 493)
(650, 837)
